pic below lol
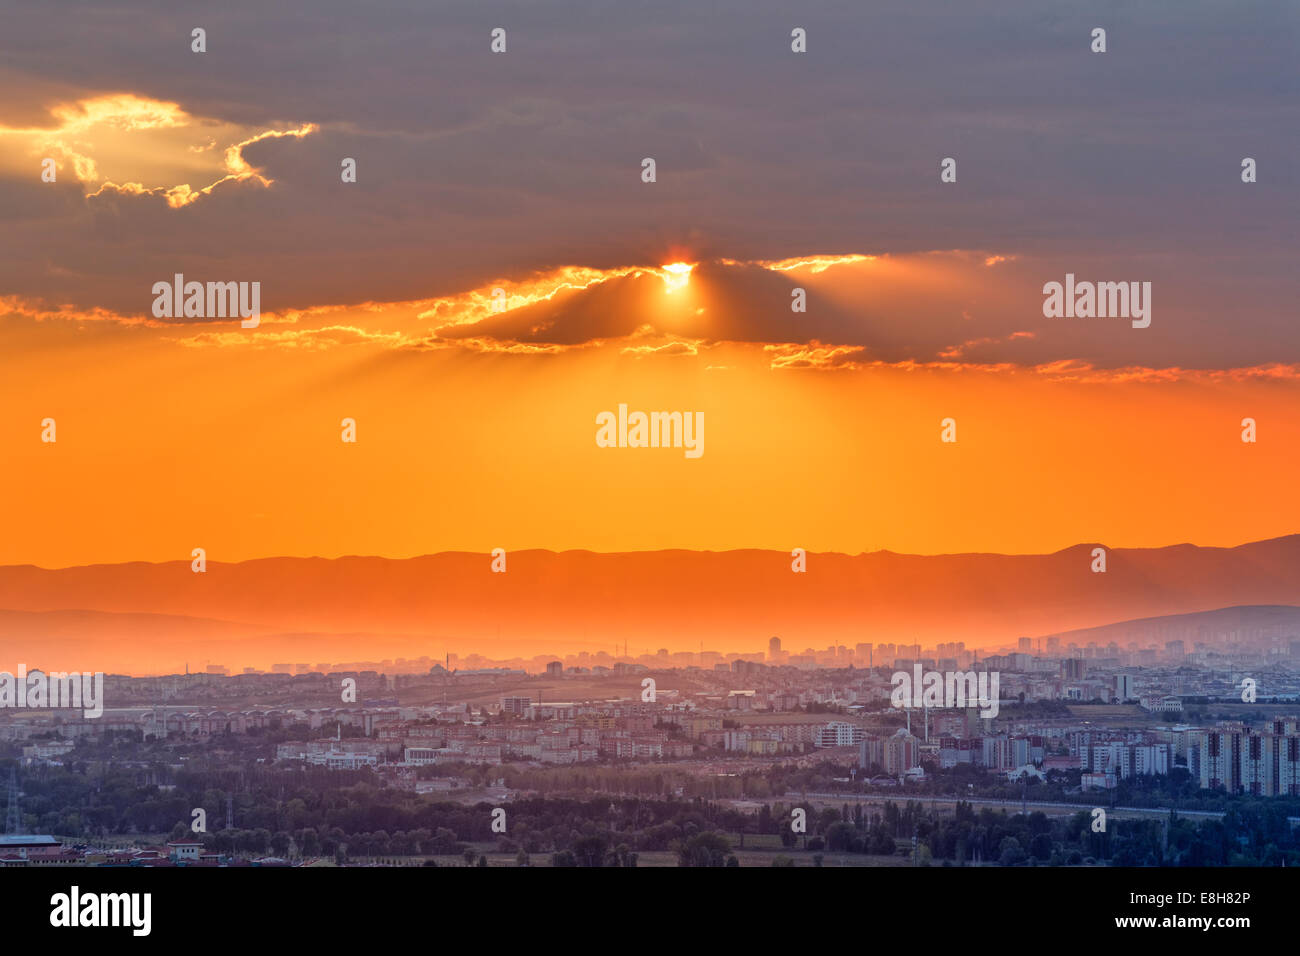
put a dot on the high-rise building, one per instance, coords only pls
(871, 753)
(995, 753)
(1288, 765)
(515, 705)
(774, 648)
(1072, 669)
(902, 752)
(1258, 763)
(1124, 687)
(1221, 760)
(838, 734)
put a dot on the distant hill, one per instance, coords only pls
(551, 602)
(160, 643)
(1209, 626)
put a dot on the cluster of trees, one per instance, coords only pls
(702, 848)
(333, 842)
(122, 786)
(762, 782)
(1249, 835)
(1036, 708)
(1176, 790)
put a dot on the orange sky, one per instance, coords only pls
(919, 228)
(477, 428)
(166, 444)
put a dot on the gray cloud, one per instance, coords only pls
(474, 166)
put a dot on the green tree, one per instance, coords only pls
(704, 849)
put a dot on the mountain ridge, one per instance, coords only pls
(570, 600)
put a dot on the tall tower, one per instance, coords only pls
(13, 818)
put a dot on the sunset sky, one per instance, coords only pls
(522, 171)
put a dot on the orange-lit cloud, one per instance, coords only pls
(814, 264)
(956, 351)
(814, 355)
(483, 321)
(137, 146)
(667, 348)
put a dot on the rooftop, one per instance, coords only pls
(21, 839)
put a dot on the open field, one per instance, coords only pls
(1107, 711)
(753, 855)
